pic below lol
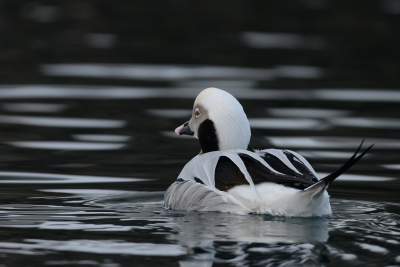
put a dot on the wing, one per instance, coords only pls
(295, 170)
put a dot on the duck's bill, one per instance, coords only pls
(184, 129)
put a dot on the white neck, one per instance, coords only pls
(231, 123)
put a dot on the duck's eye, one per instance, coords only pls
(197, 112)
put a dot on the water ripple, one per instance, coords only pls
(62, 122)
(47, 178)
(94, 246)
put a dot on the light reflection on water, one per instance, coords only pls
(62, 122)
(200, 236)
(376, 123)
(176, 72)
(66, 145)
(37, 246)
(330, 142)
(47, 178)
(287, 124)
(307, 112)
(33, 107)
(170, 113)
(102, 137)
(263, 40)
(314, 154)
(190, 92)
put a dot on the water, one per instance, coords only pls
(84, 168)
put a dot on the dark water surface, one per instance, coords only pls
(84, 168)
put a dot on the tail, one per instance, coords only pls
(327, 180)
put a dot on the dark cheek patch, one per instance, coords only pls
(208, 136)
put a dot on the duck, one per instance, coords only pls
(227, 177)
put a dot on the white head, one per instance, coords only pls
(218, 121)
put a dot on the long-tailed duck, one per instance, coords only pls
(227, 177)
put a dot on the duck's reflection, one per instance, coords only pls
(222, 238)
(195, 227)
(249, 239)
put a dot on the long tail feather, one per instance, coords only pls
(327, 180)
